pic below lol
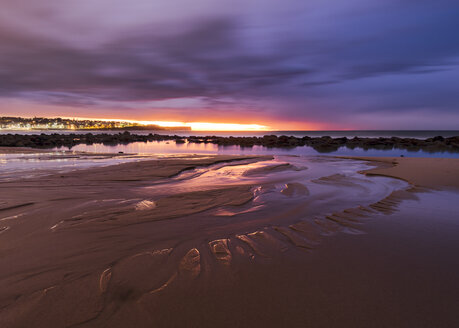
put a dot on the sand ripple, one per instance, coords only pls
(104, 245)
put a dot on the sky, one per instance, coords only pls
(291, 64)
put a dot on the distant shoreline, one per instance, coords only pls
(133, 128)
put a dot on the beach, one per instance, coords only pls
(229, 164)
(230, 241)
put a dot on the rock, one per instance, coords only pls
(321, 144)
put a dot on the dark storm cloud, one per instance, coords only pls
(205, 61)
(308, 60)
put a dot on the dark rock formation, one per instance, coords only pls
(321, 144)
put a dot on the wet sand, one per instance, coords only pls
(425, 172)
(21, 150)
(231, 241)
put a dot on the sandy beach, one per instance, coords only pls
(225, 164)
(233, 241)
(426, 172)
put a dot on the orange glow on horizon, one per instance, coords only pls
(195, 126)
(208, 126)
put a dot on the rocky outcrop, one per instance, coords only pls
(323, 144)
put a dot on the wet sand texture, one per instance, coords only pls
(425, 172)
(228, 241)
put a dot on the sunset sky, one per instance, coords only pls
(291, 64)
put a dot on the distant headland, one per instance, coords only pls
(42, 123)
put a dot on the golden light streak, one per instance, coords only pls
(195, 126)
(204, 126)
(161, 123)
(207, 126)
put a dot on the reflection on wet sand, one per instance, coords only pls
(113, 245)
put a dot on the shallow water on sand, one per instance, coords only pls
(28, 165)
(170, 147)
(286, 182)
(289, 241)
